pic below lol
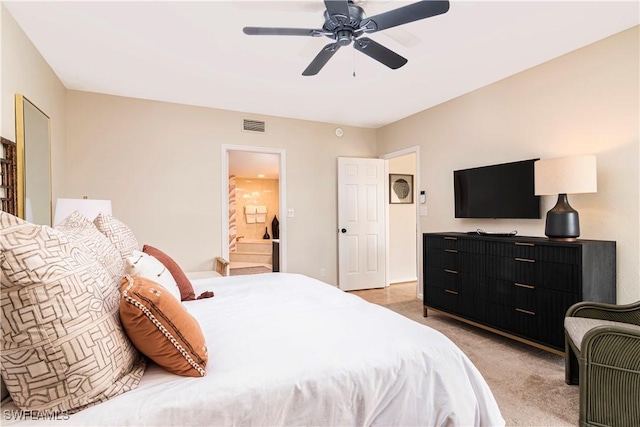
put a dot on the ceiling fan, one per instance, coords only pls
(345, 22)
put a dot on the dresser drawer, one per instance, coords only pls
(529, 298)
(561, 277)
(535, 251)
(543, 328)
(462, 299)
(443, 299)
(441, 278)
(469, 284)
(455, 243)
(452, 259)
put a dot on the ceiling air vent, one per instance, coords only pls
(253, 125)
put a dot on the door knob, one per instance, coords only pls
(344, 230)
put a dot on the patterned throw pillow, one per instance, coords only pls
(118, 233)
(144, 265)
(186, 289)
(83, 231)
(161, 328)
(63, 348)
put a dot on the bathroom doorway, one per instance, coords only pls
(253, 233)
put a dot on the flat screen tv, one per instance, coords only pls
(496, 191)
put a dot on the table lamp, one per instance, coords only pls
(562, 176)
(87, 207)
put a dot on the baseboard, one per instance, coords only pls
(397, 281)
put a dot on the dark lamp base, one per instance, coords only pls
(562, 223)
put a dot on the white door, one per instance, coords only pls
(361, 223)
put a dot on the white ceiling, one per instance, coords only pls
(195, 52)
(247, 164)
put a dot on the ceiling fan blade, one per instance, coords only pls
(379, 53)
(265, 31)
(321, 59)
(402, 15)
(337, 7)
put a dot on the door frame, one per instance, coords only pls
(415, 149)
(282, 196)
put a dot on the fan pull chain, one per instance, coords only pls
(353, 55)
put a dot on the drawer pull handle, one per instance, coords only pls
(524, 244)
(521, 285)
(525, 311)
(525, 259)
(453, 251)
(450, 238)
(451, 292)
(451, 271)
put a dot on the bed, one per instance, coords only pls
(100, 330)
(286, 349)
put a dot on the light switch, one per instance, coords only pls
(423, 210)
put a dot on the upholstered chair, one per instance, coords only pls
(602, 354)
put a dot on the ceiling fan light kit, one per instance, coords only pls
(345, 22)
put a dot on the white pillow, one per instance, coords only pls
(147, 266)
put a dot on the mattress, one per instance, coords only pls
(286, 349)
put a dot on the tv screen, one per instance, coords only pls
(497, 191)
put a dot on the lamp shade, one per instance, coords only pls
(87, 207)
(566, 175)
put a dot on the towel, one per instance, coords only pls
(250, 214)
(261, 214)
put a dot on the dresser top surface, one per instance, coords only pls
(516, 238)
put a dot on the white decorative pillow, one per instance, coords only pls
(118, 233)
(83, 231)
(63, 347)
(147, 266)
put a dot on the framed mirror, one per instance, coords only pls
(33, 139)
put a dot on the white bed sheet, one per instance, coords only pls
(285, 349)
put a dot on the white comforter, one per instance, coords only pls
(285, 349)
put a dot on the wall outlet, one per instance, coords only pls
(323, 272)
(290, 213)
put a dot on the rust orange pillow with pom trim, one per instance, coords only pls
(161, 328)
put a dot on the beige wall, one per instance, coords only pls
(256, 192)
(402, 227)
(25, 71)
(585, 102)
(159, 163)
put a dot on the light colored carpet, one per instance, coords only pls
(527, 383)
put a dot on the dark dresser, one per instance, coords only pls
(519, 287)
